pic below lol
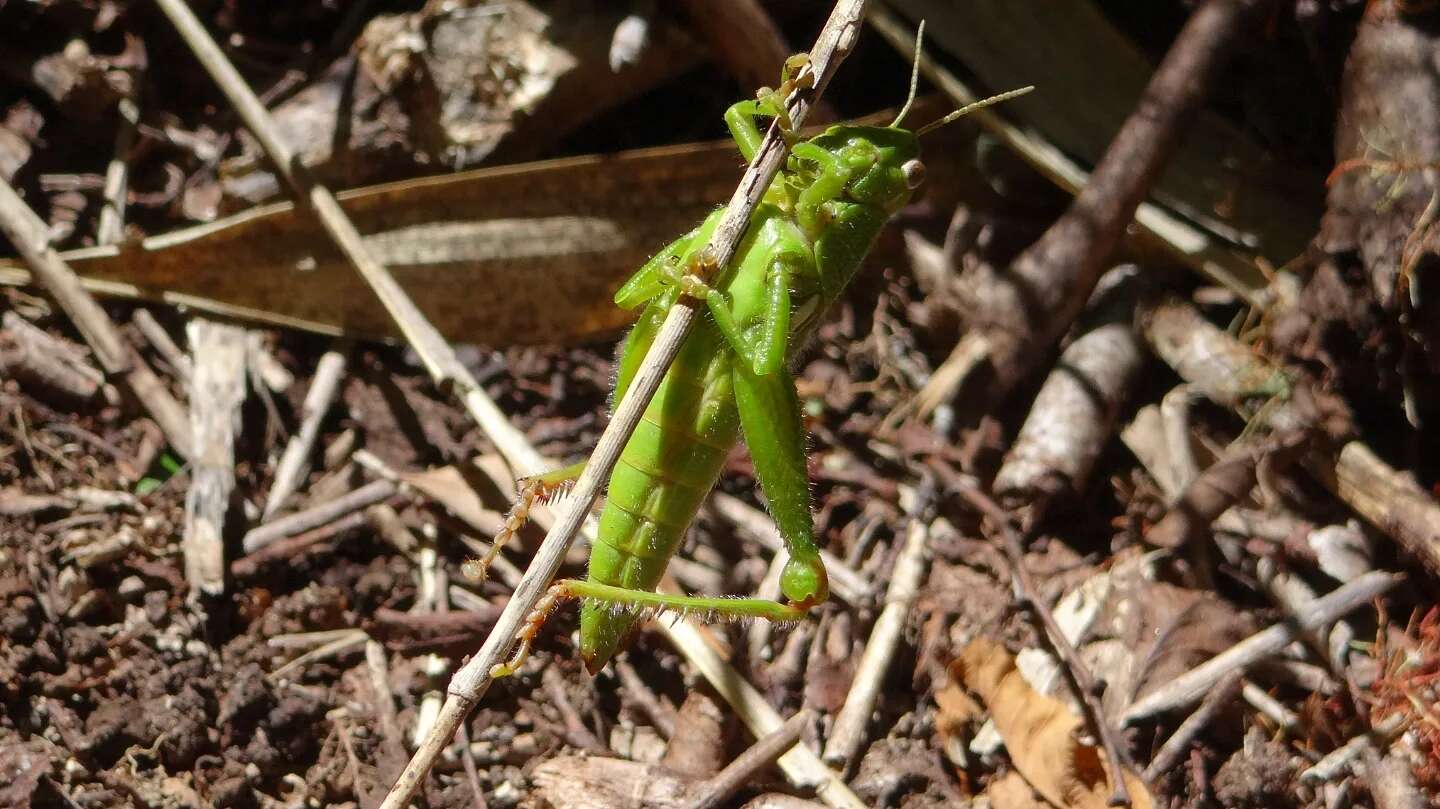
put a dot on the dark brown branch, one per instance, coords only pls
(1027, 309)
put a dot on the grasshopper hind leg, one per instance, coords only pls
(643, 604)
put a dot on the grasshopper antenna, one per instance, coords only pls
(969, 108)
(914, 77)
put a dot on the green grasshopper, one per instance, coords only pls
(805, 241)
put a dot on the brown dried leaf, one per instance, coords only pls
(448, 487)
(1040, 733)
(958, 711)
(1011, 791)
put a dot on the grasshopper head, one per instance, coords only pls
(882, 163)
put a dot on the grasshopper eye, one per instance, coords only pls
(914, 172)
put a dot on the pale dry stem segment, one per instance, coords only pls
(707, 609)
(534, 490)
(793, 76)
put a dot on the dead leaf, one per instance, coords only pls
(1040, 733)
(448, 487)
(1011, 791)
(958, 713)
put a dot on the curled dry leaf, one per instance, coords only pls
(1040, 733)
(447, 486)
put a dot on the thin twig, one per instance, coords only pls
(472, 681)
(440, 361)
(301, 543)
(1179, 742)
(161, 341)
(112, 214)
(718, 788)
(1089, 690)
(27, 233)
(1194, 684)
(801, 765)
(329, 371)
(851, 722)
(368, 495)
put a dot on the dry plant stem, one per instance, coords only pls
(217, 391)
(1088, 690)
(1176, 747)
(161, 342)
(471, 682)
(440, 361)
(392, 739)
(288, 547)
(1260, 699)
(1337, 761)
(1026, 309)
(28, 235)
(849, 731)
(1193, 685)
(717, 789)
(1225, 371)
(801, 765)
(112, 214)
(367, 495)
(288, 473)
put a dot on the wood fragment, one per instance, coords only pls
(1210, 494)
(1073, 416)
(46, 364)
(117, 175)
(217, 392)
